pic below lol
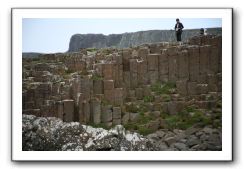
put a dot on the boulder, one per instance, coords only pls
(51, 134)
(170, 140)
(180, 146)
(192, 141)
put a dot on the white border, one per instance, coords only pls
(19, 155)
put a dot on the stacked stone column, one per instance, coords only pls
(152, 67)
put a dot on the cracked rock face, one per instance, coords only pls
(52, 134)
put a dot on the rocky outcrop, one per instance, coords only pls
(79, 41)
(51, 134)
(192, 139)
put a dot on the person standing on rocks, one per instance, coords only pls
(178, 29)
(201, 31)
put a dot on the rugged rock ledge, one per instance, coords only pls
(125, 40)
(52, 134)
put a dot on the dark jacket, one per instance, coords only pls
(180, 27)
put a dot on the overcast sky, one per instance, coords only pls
(52, 35)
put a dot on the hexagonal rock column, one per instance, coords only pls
(181, 86)
(192, 88)
(142, 72)
(212, 81)
(107, 116)
(183, 65)
(175, 107)
(142, 53)
(173, 63)
(86, 111)
(60, 109)
(68, 110)
(139, 93)
(95, 111)
(118, 75)
(204, 63)
(214, 60)
(80, 107)
(193, 63)
(108, 84)
(108, 71)
(98, 87)
(98, 69)
(126, 55)
(126, 79)
(118, 96)
(116, 115)
(109, 91)
(152, 66)
(86, 86)
(133, 73)
(152, 62)
(163, 66)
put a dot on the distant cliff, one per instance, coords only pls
(30, 54)
(124, 40)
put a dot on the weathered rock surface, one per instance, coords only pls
(52, 134)
(192, 139)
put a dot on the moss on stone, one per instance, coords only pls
(163, 88)
(96, 77)
(148, 98)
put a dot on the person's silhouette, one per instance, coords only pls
(178, 29)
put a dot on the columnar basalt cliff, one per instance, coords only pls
(131, 39)
(146, 88)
